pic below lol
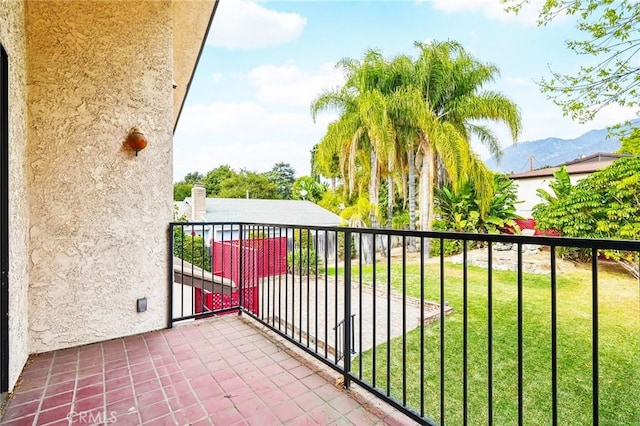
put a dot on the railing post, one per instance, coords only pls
(240, 270)
(347, 308)
(171, 276)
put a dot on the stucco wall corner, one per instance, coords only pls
(12, 37)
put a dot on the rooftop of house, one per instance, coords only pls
(286, 212)
(582, 165)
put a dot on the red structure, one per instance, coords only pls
(261, 257)
(531, 224)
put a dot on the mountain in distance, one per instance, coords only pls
(517, 158)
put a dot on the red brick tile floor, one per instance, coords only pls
(221, 371)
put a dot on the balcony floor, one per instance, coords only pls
(222, 371)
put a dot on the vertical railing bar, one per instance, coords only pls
(265, 243)
(308, 279)
(222, 268)
(268, 254)
(262, 260)
(263, 255)
(347, 310)
(271, 268)
(520, 341)
(296, 265)
(490, 333)
(353, 339)
(360, 307)
(316, 288)
(388, 316)
(209, 252)
(172, 274)
(182, 272)
(193, 271)
(300, 282)
(465, 333)
(202, 269)
(404, 318)
(280, 279)
(241, 269)
(595, 343)
(554, 338)
(335, 307)
(375, 315)
(326, 291)
(422, 326)
(442, 337)
(286, 279)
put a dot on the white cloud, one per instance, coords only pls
(243, 24)
(244, 135)
(217, 76)
(288, 85)
(493, 9)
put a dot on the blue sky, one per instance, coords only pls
(265, 61)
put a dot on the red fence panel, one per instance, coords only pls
(531, 224)
(261, 257)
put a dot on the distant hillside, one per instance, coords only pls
(554, 151)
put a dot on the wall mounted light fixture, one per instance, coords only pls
(136, 140)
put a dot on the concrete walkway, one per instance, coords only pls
(311, 309)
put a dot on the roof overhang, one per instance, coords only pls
(191, 24)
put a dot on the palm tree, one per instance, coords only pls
(450, 82)
(363, 128)
(405, 115)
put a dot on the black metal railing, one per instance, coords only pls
(504, 332)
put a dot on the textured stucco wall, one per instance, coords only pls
(12, 37)
(98, 214)
(191, 19)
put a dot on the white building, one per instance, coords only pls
(529, 182)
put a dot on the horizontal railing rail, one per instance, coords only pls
(504, 331)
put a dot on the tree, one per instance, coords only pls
(213, 180)
(363, 130)
(193, 177)
(325, 161)
(604, 205)
(611, 41)
(561, 187)
(450, 84)
(333, 201)
(460, 212)
(307, 188)
(191, 248)
(631, 143)
(181, 190)
(248, 185)
(283, 176)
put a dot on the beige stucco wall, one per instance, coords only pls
(191, 19)
(98, 214)
(12, 38)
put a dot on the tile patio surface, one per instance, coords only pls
(221, 371)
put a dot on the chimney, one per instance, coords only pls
(198, 202)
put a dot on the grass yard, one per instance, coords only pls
(619, 328)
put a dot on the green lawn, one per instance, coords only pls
(619, 307)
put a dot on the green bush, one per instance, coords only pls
(191, 249)
(451, 247)
(302, 263)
